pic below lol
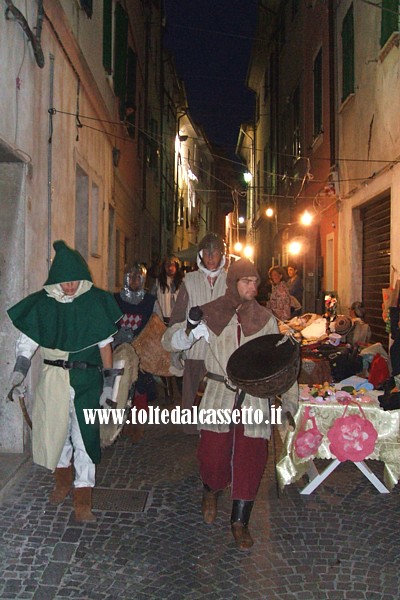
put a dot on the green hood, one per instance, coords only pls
(72, 326)
(68, 265)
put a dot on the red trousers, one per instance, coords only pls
(232, 458)
(140, 402)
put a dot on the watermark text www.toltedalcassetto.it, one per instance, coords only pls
(183, 416)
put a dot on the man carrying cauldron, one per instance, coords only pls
(231, 454)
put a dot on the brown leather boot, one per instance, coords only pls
(83, 505)
(241, 510)
(134, 431)
(138, 433)
(63, 478)
(209, 505)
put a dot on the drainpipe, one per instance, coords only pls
(147, 16)
(162, 178)
(332, 123)
(50, 161)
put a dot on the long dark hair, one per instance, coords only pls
(178, 277)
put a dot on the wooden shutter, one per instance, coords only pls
(107, 35)
(348, 54)
(131, 79)
(87, 7)
(390, 19)
(376, 264)
(120, 51)
(318, 94)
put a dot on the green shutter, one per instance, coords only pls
(107, 35)
(390, 19)
(131, 79)
(318, 94)
(120, 51)
(348, 54)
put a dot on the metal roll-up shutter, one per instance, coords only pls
(376, 264)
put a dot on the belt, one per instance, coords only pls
(220, 379)
(240, 394)
(71, 364)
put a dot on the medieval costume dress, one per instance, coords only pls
(137, 306)
(71, 329)
(229, 455)
(198, 287)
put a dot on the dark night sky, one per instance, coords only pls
(211, 42)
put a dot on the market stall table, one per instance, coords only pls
(291, 467)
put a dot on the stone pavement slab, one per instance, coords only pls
(340, 543)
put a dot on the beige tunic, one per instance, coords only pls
(50, 411)
(198, 291)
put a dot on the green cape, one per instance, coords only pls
(72, 326)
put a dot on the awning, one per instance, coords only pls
(188, 254)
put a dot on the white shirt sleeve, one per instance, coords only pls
(25, 346)
(104, 343)
(180, 341)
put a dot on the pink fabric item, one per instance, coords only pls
(352, 437)
(309, 440)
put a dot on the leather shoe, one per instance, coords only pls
(242, 536)
(209, 506)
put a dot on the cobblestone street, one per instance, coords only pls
(340, 543)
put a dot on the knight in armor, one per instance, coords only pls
(72, 322)
(137, 306)
(199, 287)
(228, 454)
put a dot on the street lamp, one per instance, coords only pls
(306, 218)
(247, 176)
(269, 212)
(248, 252)
(295, 248)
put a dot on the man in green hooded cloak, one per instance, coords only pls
(72, 323)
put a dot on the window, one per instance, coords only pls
(318, 94)
(348, 54)
(269, 168)
(390, 19)
(87, 7)
(107, 35)
(296, 147)
(88, 215)
(121, 257)
(81, 211)
(281, 28)
(266, 84)
(95, 221)
(152, 145)
(129, 107)
(115, 46)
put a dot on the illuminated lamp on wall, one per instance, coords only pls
(247, 176)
